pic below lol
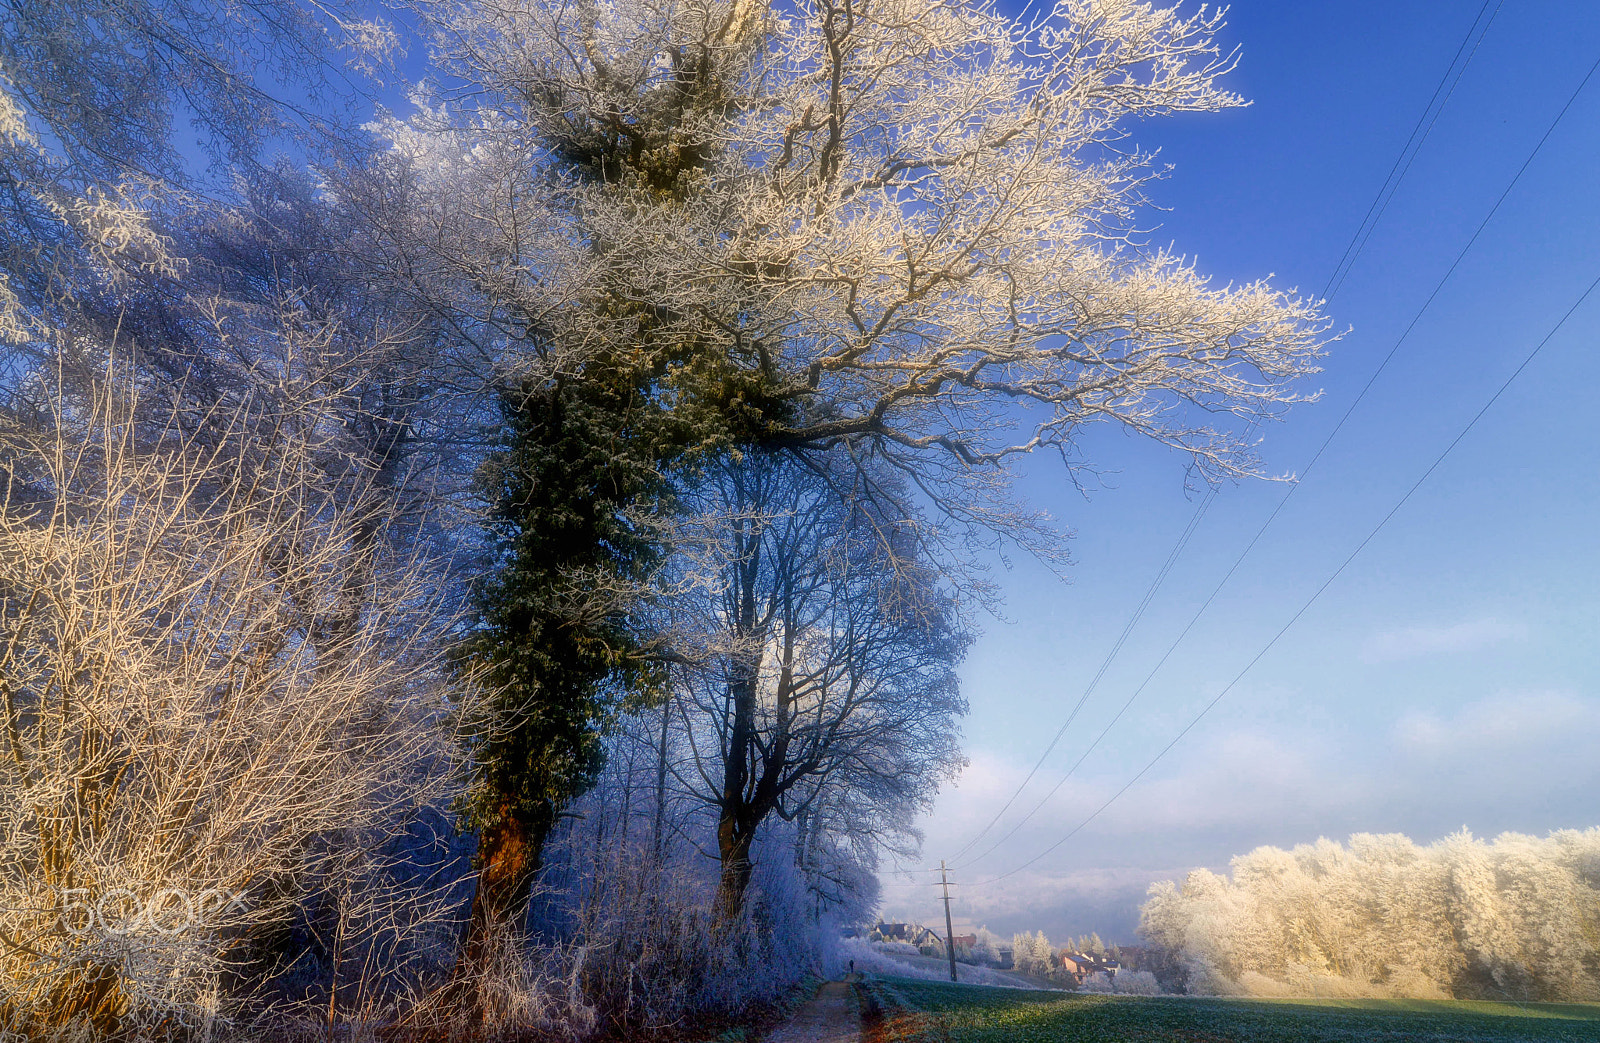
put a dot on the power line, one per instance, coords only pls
(1283, 501)
(1347, 259)
(1105, 664)
(1424, 127)
(1527, 360)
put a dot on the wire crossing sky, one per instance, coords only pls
(1290, 491)
(1352, 251)
(1499, 392)
(1462, 634)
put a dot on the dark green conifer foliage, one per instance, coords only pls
(560, 642)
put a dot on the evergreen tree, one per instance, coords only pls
(560, 643)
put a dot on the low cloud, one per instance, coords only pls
(1060, 903)
(1518, 760)
(1508, 723)
(1419, 642)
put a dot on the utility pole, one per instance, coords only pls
(949, 940)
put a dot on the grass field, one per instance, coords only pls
(917, 1011)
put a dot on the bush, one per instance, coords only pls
(903, 948)
(1516, 918)
(1123, 983)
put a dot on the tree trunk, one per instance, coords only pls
(659, 836)
(733, 844)
(509, 855)
(802, 822)
(736, 816)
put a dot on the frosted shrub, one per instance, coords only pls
(627, 946)
(871, 957)
(1516, 918)
(986, 950)
(902, 948)
(654, 951)
(519, 990)
(201, 728)
(1136, 983)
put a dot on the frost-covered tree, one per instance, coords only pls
(1513, 918)
(875, 225)
(868, 219)
(823, 690)
(220, 444)
(116, 83)
(102, 103)
(236, 298)
(558, 642)
(1033, 953)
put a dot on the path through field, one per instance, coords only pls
(834, 1016)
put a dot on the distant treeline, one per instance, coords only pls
(1513, 918)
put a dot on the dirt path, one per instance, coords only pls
(834, 1016)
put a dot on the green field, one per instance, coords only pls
(973, 1014)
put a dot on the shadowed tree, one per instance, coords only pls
(826, 694)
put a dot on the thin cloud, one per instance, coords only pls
(1535, 722)
(1264, 784)
(1418, 642)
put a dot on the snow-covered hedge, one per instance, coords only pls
(1517, 917)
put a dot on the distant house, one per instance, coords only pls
(1079, 966)
(964, 940)
(891, 932)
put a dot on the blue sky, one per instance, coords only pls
(1450, 677)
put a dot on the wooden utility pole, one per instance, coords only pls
(949, 940)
